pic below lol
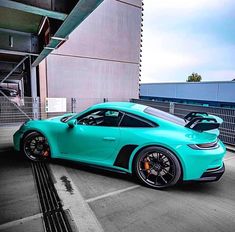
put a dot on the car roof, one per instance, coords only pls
(125, 106)
(139, 110)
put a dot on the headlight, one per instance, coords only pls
(205, 146)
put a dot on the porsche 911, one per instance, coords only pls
(159, 148)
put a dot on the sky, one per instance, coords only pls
(185, 36)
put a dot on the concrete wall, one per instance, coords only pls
(221, 91)
(101, 58)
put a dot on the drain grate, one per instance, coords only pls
(53, 214)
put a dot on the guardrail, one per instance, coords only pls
(227, 129)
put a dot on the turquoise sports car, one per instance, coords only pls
(159, 148)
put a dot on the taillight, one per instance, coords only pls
(204, 146)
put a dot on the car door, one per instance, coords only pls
(90, 140)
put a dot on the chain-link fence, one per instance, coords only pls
(227, 129)
(36, 108)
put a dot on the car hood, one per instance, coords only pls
(59, 118)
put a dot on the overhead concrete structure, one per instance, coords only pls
(33, 29)
(37, 27)
(101, 59)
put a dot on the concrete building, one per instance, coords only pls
(215, 93)
(101, 58)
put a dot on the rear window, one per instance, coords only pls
(163, 115)
(131, 121)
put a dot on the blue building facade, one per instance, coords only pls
(219, 93)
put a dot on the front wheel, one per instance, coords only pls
(36, 147)
(157, 167)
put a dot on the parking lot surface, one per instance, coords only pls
(117, 201)
(121, 204)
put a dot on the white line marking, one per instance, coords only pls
(81, 213)
(229, 158)
(111, 193)
(20, 221)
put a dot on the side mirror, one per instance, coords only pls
(72, 123)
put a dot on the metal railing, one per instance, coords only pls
(35, 108)
(227, 129)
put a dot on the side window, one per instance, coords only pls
(112, 118)
(94, 118)
(101, 118)
(129, 121)
(111, 113)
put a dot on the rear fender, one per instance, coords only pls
(140, 148)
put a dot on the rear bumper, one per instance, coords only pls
(212, 175)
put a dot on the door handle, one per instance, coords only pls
(109, 138)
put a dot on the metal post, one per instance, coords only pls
(35, 100)
(33, 75)
(172, 108)
(36, 108)
(73, 105)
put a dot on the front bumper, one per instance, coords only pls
(212, 175)
(17, 139)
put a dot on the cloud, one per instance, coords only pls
(186, 4)
(219, 75)
(177, 43)
(172, 57)
(183, 7)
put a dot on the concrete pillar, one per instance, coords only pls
(43, 86)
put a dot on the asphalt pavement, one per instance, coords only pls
(19, 205)
(121, 204)
(117, 201)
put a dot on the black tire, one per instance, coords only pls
(157, 167)
(35, 147)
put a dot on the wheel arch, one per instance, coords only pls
(40, 132)
(139, 149)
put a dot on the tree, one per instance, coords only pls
(194, 77)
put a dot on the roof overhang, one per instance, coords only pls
(36, 28)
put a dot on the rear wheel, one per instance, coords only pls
(157, 167)
(36, 147)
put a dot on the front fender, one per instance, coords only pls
(47, 133)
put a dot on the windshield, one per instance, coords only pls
(164, 115)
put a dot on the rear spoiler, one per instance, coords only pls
(202, 121)
(192, 115)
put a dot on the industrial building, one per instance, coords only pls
(86, 50)
(214, 93)
(100, 60)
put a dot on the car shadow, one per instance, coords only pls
(10, 157)
(9, 154)
(188, 186)
(196, 187)
(95, 170)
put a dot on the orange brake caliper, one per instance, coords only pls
(46, 153)
(146, 165)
